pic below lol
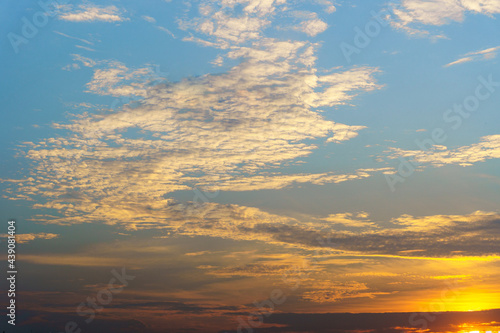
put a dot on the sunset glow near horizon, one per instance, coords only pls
(236, 165)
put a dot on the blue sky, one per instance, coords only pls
(175, 125)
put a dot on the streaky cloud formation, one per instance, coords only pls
(486, 54)
(438, 155)
(26, 238)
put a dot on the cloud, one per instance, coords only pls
(225, 25)
(411, 15)
(231, 131)
(438, 156)
(312, 27)
(81, 60)
(431, 12)
(148, 19)
(118, 80)
(329, 6)
(79, 39)
(315, 282)
(254, 270)
(226, 29)
(275, 182)
(232, 277)
(85, 48)
(200, 253)
(91, 13)
(428, 236)
(87, 62)
(166, 30)
(459, 61)
(358, 220)
(26, 238)
(485, 54)
(71, 260)
(424, 223)
(71, 67)
(436, 236)
(153, 21)
(327, 291)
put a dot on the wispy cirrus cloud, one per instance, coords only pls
(279, 181)
(486, 54)
(72, 37)
(459, 61)
(488, 148)
(80, 60)
(152, 20)
(85, 48)
(148, 19)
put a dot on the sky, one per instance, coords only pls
(251, 165)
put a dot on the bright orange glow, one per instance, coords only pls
(462, 299)
(475, 299)
(468, 328)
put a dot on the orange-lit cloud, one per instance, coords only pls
(26, 238)
(227, 132)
